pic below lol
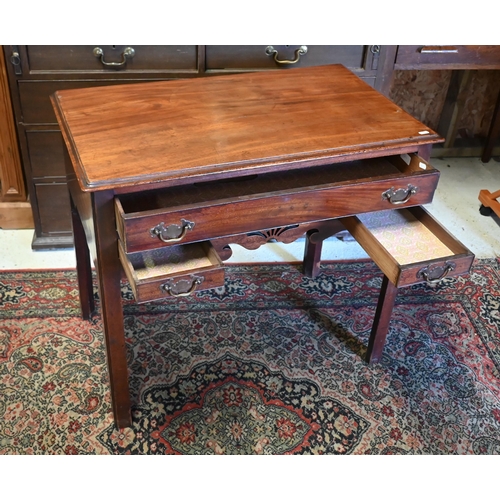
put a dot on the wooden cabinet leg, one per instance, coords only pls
(386, 301)
(83, 265)
(109, 273)
(453, 106)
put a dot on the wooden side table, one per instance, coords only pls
(184, 168)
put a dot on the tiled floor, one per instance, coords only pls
(455, 205)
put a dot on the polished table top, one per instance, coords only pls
(231, 125)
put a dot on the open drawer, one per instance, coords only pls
(409, 245)
(172, 271)
(202, 212)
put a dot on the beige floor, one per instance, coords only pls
(455, 205)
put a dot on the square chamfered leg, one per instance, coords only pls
(386, 301)
(108, 268)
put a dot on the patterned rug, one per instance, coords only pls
(270, 364)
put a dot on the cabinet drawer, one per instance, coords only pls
(448, 56)
(204, 211)
(126, 58)
(255, 57)
(172, 272)
(409, 245)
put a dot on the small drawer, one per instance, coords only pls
(409, 245)
(172, 272)
(447, 57)
(110, 58)
(206, 211)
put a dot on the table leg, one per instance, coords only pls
(312, 255)
(83, 265)
(314, 245)
(386, 301)
(108, 269)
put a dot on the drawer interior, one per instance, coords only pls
(404, 236)
(170, 261)
(409, 245)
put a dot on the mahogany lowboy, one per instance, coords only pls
(241, 158)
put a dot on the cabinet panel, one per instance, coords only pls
(46, 153)
(54, 208)
(64, 58)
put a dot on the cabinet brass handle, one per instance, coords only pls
(15, 60)
(399, 196)
(439, 49)
(426, 272)
(271, 51)
(182, 288)
(172, 233)
(129, 52)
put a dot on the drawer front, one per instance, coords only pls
(448, 57)
(110, 58)
(257, 57)
(172, 272)
(203, 221)
(409, 246)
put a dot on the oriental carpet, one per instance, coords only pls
(270, 364)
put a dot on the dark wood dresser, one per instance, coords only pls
(35, 72)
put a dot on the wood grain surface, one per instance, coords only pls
(127, 135)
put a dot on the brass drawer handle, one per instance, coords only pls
(399, 196)
(182, 288)
(129, 52)
(427, 272)
(439, 49)
(172, 233)
(302, 50)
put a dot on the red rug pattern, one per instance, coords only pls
(272, 363)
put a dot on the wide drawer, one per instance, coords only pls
(448, 56)
(110, 58)
(172, 272)
(409, 245)
(204, 211)
(252, 57)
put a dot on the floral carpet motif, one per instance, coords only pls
(270, 364)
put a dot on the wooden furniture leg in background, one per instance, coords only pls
(386, 301)
(83, 265)
(489, 202)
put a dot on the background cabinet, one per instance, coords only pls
(439, 99)
(35, 72)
